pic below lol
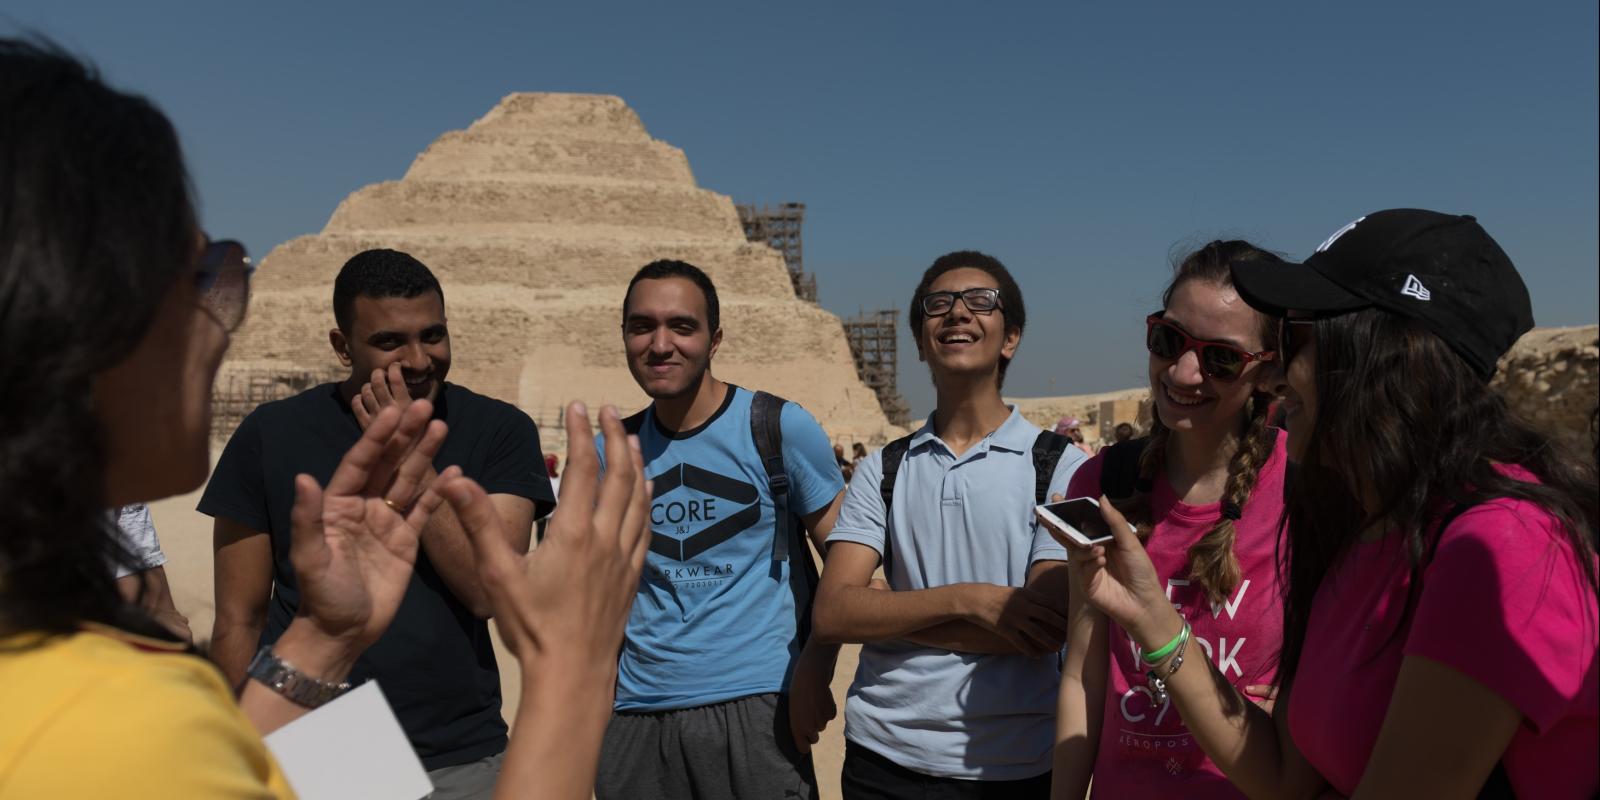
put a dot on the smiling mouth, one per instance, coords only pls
(957, 337)
(1183, 401)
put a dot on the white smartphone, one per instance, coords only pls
(1077, 519)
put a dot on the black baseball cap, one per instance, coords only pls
(1442, 270)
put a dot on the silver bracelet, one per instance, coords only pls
(1158, 683)
(283, 678)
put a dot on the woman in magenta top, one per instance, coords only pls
(1441, 617)
(1205, 491)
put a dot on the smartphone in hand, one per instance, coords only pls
(1078, 520)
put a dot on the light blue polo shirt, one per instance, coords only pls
(714, 619)
(956, 520)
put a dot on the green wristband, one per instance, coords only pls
(1155, 657)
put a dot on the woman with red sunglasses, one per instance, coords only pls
(1205, 489)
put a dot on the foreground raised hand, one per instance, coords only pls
(353, 545)
(562, 608)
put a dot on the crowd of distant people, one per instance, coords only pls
(1334, 565)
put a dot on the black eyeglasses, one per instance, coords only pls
(222, 281)
(978, 301)
(1218, 360)
(1293, 334)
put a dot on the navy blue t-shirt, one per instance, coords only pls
(435, 663)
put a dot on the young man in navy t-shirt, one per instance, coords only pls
(716, 694)
(435, 663)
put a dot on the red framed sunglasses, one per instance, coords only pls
(1218, 360)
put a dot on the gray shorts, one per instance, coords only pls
(473, 780)
(738, 749)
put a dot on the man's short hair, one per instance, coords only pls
(379, 274)
(668, 268)
(1016, 315)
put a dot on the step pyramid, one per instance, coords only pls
(534, 219)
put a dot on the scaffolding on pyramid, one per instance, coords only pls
(779, 228)
(874, 347)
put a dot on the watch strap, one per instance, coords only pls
(283, 678)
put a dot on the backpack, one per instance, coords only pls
(766, 430)
(1047, 450)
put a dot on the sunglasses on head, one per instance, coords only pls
(1218, 360)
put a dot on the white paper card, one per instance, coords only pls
(351, 747)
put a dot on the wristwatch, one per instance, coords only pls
(283, 678)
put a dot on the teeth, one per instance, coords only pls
(1184, 401)
(961, 338)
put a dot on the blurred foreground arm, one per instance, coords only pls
(562, 608)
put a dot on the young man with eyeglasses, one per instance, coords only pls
(719, 691)
(956, 691)
(435, 663)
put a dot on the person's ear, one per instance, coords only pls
(1013, 340)
(716, 342)
(341, 346)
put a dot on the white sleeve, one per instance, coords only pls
(139, 537)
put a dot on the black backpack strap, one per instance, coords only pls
(894, 453)
(1047, 450)
(766, 429)
(1119, 468)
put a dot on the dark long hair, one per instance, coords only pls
(96, 222)
(1212, 562)
(1402, 419)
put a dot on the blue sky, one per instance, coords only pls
(1083, 144)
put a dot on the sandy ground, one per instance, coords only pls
(186, 538)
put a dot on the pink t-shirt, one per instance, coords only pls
(1504, 602)
(1145, 750)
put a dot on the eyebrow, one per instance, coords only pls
(680, 319)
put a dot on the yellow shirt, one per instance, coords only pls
(103, 713)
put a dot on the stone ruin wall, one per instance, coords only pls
(534, 219)
(1551, 378)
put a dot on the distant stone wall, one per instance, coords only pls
(1551, 378)
(1094, 411)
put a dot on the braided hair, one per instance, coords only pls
(1212, 562)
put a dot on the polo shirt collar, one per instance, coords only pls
(1015, 434)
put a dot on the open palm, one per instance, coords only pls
(352, 550)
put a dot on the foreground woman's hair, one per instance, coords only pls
(1412, 426)
(96, 222)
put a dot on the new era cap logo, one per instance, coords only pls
(1336, 234)
(1414, 288)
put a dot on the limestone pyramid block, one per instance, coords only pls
(534, 219)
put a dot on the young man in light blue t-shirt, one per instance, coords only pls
(717, 694)
(956, 692)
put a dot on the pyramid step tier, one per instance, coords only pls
(736, 267)
(474, 155)
(552, 201)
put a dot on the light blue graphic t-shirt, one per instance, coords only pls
(714, 619)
